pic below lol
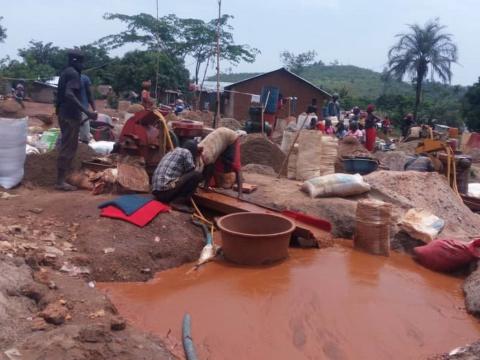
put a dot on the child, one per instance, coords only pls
(355, 131)
(341, 130)
(328, 127)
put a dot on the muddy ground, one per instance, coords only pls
(54, 247)
(56, 244)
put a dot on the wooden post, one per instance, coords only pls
(263, 112)
(217, 116)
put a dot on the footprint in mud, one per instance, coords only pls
(333, 352)
(298, 329)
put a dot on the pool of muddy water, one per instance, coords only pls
(333, 303)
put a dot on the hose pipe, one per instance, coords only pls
(188, 345)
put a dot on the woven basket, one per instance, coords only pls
(372, 227)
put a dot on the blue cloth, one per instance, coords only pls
(128, 203)
(333, 108)
(85, 84)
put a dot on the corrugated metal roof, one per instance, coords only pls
(211, 86)
(283, 70)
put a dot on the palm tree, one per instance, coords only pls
(420, 52)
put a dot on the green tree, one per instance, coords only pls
(3, 31)
(128, 72)
(198, 39)
(420, 52)
(144, 29)
(179, 37)
(297, 63)
(471, 107)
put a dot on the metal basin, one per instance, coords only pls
(255, 238)
(360, 165)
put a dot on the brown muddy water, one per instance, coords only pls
(332, 303)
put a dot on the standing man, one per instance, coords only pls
(69, 109)
(19, 93)
(333, 107)
(87, 99)
(407, 124)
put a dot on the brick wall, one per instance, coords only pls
(238, 104)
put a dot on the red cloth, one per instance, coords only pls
(371, 136)
(141, 217)
(270, 118)
(237, 161)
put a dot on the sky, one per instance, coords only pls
(354, 32)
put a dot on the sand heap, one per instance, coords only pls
(41, 170)
(430, 191)
(408, 147)
(259, 169)
(257, 149)
(206, 117)
(230, 123)
(349, 146)
(393, 160)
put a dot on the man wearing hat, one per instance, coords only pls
(69, 109)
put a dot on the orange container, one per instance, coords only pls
(453, 132)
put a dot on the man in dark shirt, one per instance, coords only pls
(69, 110)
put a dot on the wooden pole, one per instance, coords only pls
(263, 112)
(217, 115)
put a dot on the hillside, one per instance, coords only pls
(359, 82)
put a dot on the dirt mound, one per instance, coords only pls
(41, 170)
(230, 123)
(393, 160)
(54, 316)
(134, 108)
(13, 275)
(11, 109)
(257, 149)
(408, 147)
(259, 169)
(471, 287)
(430, 191)
(349, 146)
(203, 116)
(171, 117)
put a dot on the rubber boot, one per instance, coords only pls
(61, 184)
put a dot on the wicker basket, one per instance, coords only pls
(372, 227)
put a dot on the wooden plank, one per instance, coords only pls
(246, 188)
(227, 205)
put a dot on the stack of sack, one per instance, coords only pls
(135, 209)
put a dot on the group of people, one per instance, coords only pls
(362, 126)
